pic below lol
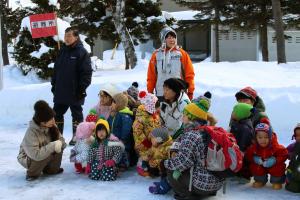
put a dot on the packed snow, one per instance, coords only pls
(278, 85)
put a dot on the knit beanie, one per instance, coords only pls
(242, 111)
(176, 84)
(43, 112)
(121, 100)
(110, 90)
(161, 135)
(85, 130)
(206, 96)
(133, 90)
(246, 93)
(104, 123)
(265, 128)
(296, 127)
(92, 116)
(148, 100)
(197, 110)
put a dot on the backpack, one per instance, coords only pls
(223, 154)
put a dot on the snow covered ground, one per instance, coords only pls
(278, 85)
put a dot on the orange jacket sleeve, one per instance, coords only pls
(188, 72)
(151, 74)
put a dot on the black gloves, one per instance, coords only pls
(81, 94)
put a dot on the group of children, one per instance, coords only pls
(125, 129)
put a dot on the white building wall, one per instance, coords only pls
(236, 45)
(292, 45)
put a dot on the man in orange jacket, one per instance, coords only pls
(169, 61)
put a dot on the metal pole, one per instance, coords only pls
(1, 63)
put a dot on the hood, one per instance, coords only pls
(126, 110)
(34, 126)
(164, 32)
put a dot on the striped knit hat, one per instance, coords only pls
(197, 110)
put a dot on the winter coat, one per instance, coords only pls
(243, 132)
(103, 111)
(171, 64)
(159, 153)
(273, 149)
(80, 152)
(191, 156)
(72, 74)
(171, 115)
(36, 144)
(121, 127)
(101, 152)
(291, 149)
(293, 170)
(142, 126)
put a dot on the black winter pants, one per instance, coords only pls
(181, 187)
(61, 109)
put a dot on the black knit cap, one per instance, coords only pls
(176, 84)
(43, 112)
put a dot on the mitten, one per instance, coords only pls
(269, 162)
(176, 174)
(57, 146)
(147, 143)
(81, 94)
(88, 169)
(257, 160)
(109, 163)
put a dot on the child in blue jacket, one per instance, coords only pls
(120, 121)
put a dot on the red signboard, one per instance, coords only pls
(43, 25)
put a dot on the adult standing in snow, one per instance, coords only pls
(72, 75)
(169, 61)
(42, 145)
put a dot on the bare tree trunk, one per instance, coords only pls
(124, 35)
(4, 43)
(3, 6)
(217, 43)
(279, 31)
(263, 29)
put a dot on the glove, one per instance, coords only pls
(109, 163)
(269, 162)
(81, 94)
(257, 160)
(147, 143)
(176, 174)
(57, 146)
(88, 169)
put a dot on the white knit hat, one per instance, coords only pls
(148, 100)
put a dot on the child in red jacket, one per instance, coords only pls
(266, 156)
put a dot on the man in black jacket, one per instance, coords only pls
(72, 75)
